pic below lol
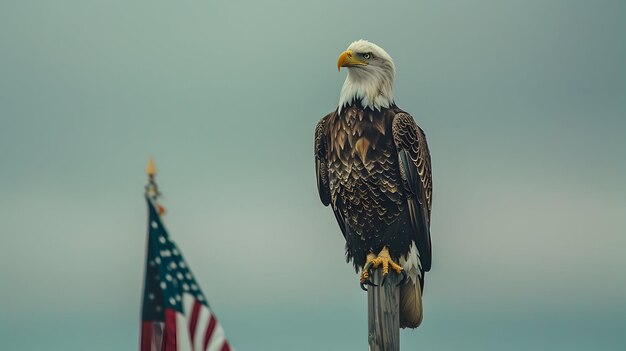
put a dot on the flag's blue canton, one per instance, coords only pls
(167, 274)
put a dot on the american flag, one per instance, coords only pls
(175, 315)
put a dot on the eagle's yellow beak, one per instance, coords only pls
(347, 59)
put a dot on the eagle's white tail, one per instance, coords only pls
(411, 291)
(411, 302)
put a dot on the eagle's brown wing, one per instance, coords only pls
(321, 167)
(416, 172)
(321, 170)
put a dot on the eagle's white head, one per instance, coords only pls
(370, 76)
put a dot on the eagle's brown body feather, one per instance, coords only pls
(378, 199)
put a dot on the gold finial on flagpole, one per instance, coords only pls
(151, 168)
(152, 189)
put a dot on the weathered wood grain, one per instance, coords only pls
(383, 313)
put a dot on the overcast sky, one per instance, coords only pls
(523, 103)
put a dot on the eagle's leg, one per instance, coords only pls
(385, 260)
(365, 272)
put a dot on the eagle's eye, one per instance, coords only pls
(367, 55)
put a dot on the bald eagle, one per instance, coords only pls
(373, 168)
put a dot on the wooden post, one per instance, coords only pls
(383, 313)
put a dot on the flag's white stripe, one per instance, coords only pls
(182, 333)
(217, 339)
(203, 322)
(156, 341)
(187, 305)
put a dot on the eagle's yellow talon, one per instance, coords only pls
(396, 267)
(364, 276)
(383, 259)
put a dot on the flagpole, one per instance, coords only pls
(151, 187)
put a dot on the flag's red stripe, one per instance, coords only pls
(193, 320)
(146, 335)
(169, 343)
(225, 346)
(151, 335)
(209, 331)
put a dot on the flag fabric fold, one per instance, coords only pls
(175, 313)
